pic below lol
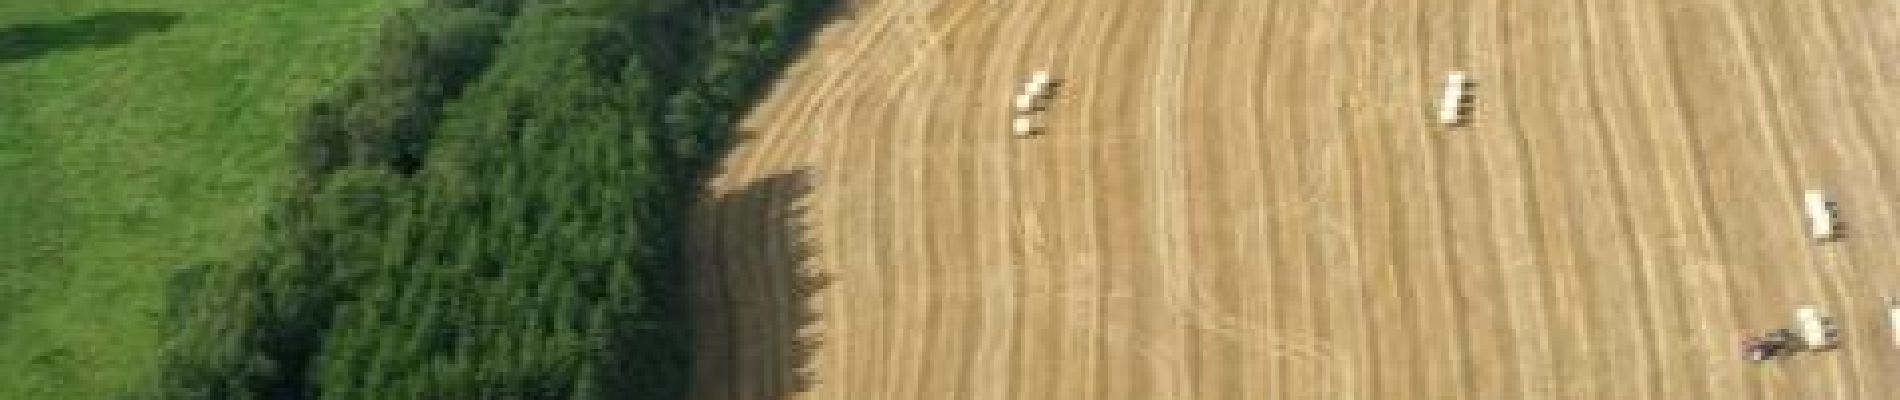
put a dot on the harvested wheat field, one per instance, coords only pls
(1248, 199)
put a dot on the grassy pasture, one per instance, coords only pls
(134, 139)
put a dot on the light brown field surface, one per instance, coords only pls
(1246, 199)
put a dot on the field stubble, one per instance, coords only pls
(1243, 199)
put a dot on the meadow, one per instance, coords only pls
(134, 140)
(399, 199)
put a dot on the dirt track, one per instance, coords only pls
(1245, 200)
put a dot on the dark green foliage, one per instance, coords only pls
(25, 41)
(492, 210)
(426, 57)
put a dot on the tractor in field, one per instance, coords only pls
(1775, 344)
(1813, 331)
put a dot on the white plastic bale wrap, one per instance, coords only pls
(1813, 327)
(1821, 223)
(1451, 103)
(1893, 319)
(1023, 126)
(1025, 102)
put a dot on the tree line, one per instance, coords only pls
(493, 208)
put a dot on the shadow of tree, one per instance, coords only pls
(111, 28)
(754, 291)
(799, 43)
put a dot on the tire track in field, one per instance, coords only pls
(1298, 279)
(995, 176)
(1304, 350)
(934, 39)
(1778, 194)
(1408, 92)
(945, 270)
(1106, 139)
(817, 106)
(1348, 244)
(1684, 194)
(1052, 276)
(1439, 50)
(1836, 263)
(908, 99)
(1603, 150)
(773, 147)
(1541, 129)
(1699, 231)
(1194, 317)
(1379, 110)
(930, 271)
(1515, 247)
(1865, 50)
(995, 342)
(1276, 164)
(824, 260)
(1437, 337)
(839, 119)
(1240, 70)
(1772, 117)
(1333, 237)
(896, 231)
(945, 340)
(1861, 169)
(1862, 172)
(1071, 170)
(1120, 248)
(743, 167)
(1083, 321)
(1662, 214)
(1864, 80)
(1624, 312)
(1700, 118)
(834, 143)
(1438, 46)
(911, 262)
(1029, 218)
(1880, 42)
(1257, 36)
(1359, 167)
(1548, 163)
(1209, 321)
(1306, 336)
(1202, 132)
(1473, 275)
(1021, 230)
(951, 344)
(1169, 364)
(934, 272)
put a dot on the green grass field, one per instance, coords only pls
(134, 140)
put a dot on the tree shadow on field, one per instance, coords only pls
(111, 28)
(754, 291)
(801, 41)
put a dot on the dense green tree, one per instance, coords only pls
(492, 209)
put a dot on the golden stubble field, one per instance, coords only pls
(1246, 200)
